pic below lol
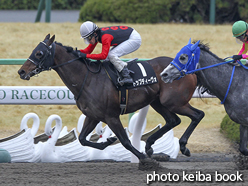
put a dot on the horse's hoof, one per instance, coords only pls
(111, 140)
(161, 157)
(149, 152)
(241, 161)
(149, 164)
(243, 151)
(186, 152)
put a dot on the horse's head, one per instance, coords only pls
(184, 63)
(41, 59)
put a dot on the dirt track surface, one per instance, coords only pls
(113, 174)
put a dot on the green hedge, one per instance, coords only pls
(156, 11)
(33, 4)
(128, 11)
(143, 11)
(230, 129)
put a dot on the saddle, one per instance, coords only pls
(143, 75)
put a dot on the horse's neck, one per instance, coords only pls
(216, 79)
(71, 74)
(79, 79)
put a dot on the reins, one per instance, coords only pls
(46, 61)
(203, 68)
(86, 64)
(184, 72)
(187, 68)
(50, 52)
(222, 102)
(68, 62)
(215, 65)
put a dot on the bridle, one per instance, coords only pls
(193, 53)
(46, 60)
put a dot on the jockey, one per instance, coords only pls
(123, 40)
(240, 31)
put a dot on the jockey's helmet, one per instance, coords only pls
(239, 28)
(87, 29)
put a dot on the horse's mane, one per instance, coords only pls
(69, 49)
(205, 47)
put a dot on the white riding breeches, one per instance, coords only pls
(124, 48)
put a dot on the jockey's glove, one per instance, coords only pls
(237, 57)
(81, 54)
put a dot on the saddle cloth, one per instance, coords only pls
(143, 75)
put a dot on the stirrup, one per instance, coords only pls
(119, 81)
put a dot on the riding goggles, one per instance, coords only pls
(87, 40)
(242, 37)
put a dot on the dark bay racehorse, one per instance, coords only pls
(216, 80)
(99, 98)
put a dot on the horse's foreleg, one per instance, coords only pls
(152, 139)
(243, 140)
(171, 119)
(89, 126)
(116, 126)
(196, 116)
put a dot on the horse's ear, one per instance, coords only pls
(51, 40)
(193, 47)
(189, 41)
(47, 37)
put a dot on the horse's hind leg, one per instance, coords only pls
(172, 120)
(243, 140)
(116, 126)
(89, 126)
(196, 116)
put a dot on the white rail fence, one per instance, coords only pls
(44, 95)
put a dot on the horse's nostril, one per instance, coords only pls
(164, 74)
(21, 72)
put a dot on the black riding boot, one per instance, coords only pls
(127, 79)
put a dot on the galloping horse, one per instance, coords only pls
(97, 97)
(219, 77)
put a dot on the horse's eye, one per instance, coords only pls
(39, 54)
(182, 58)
